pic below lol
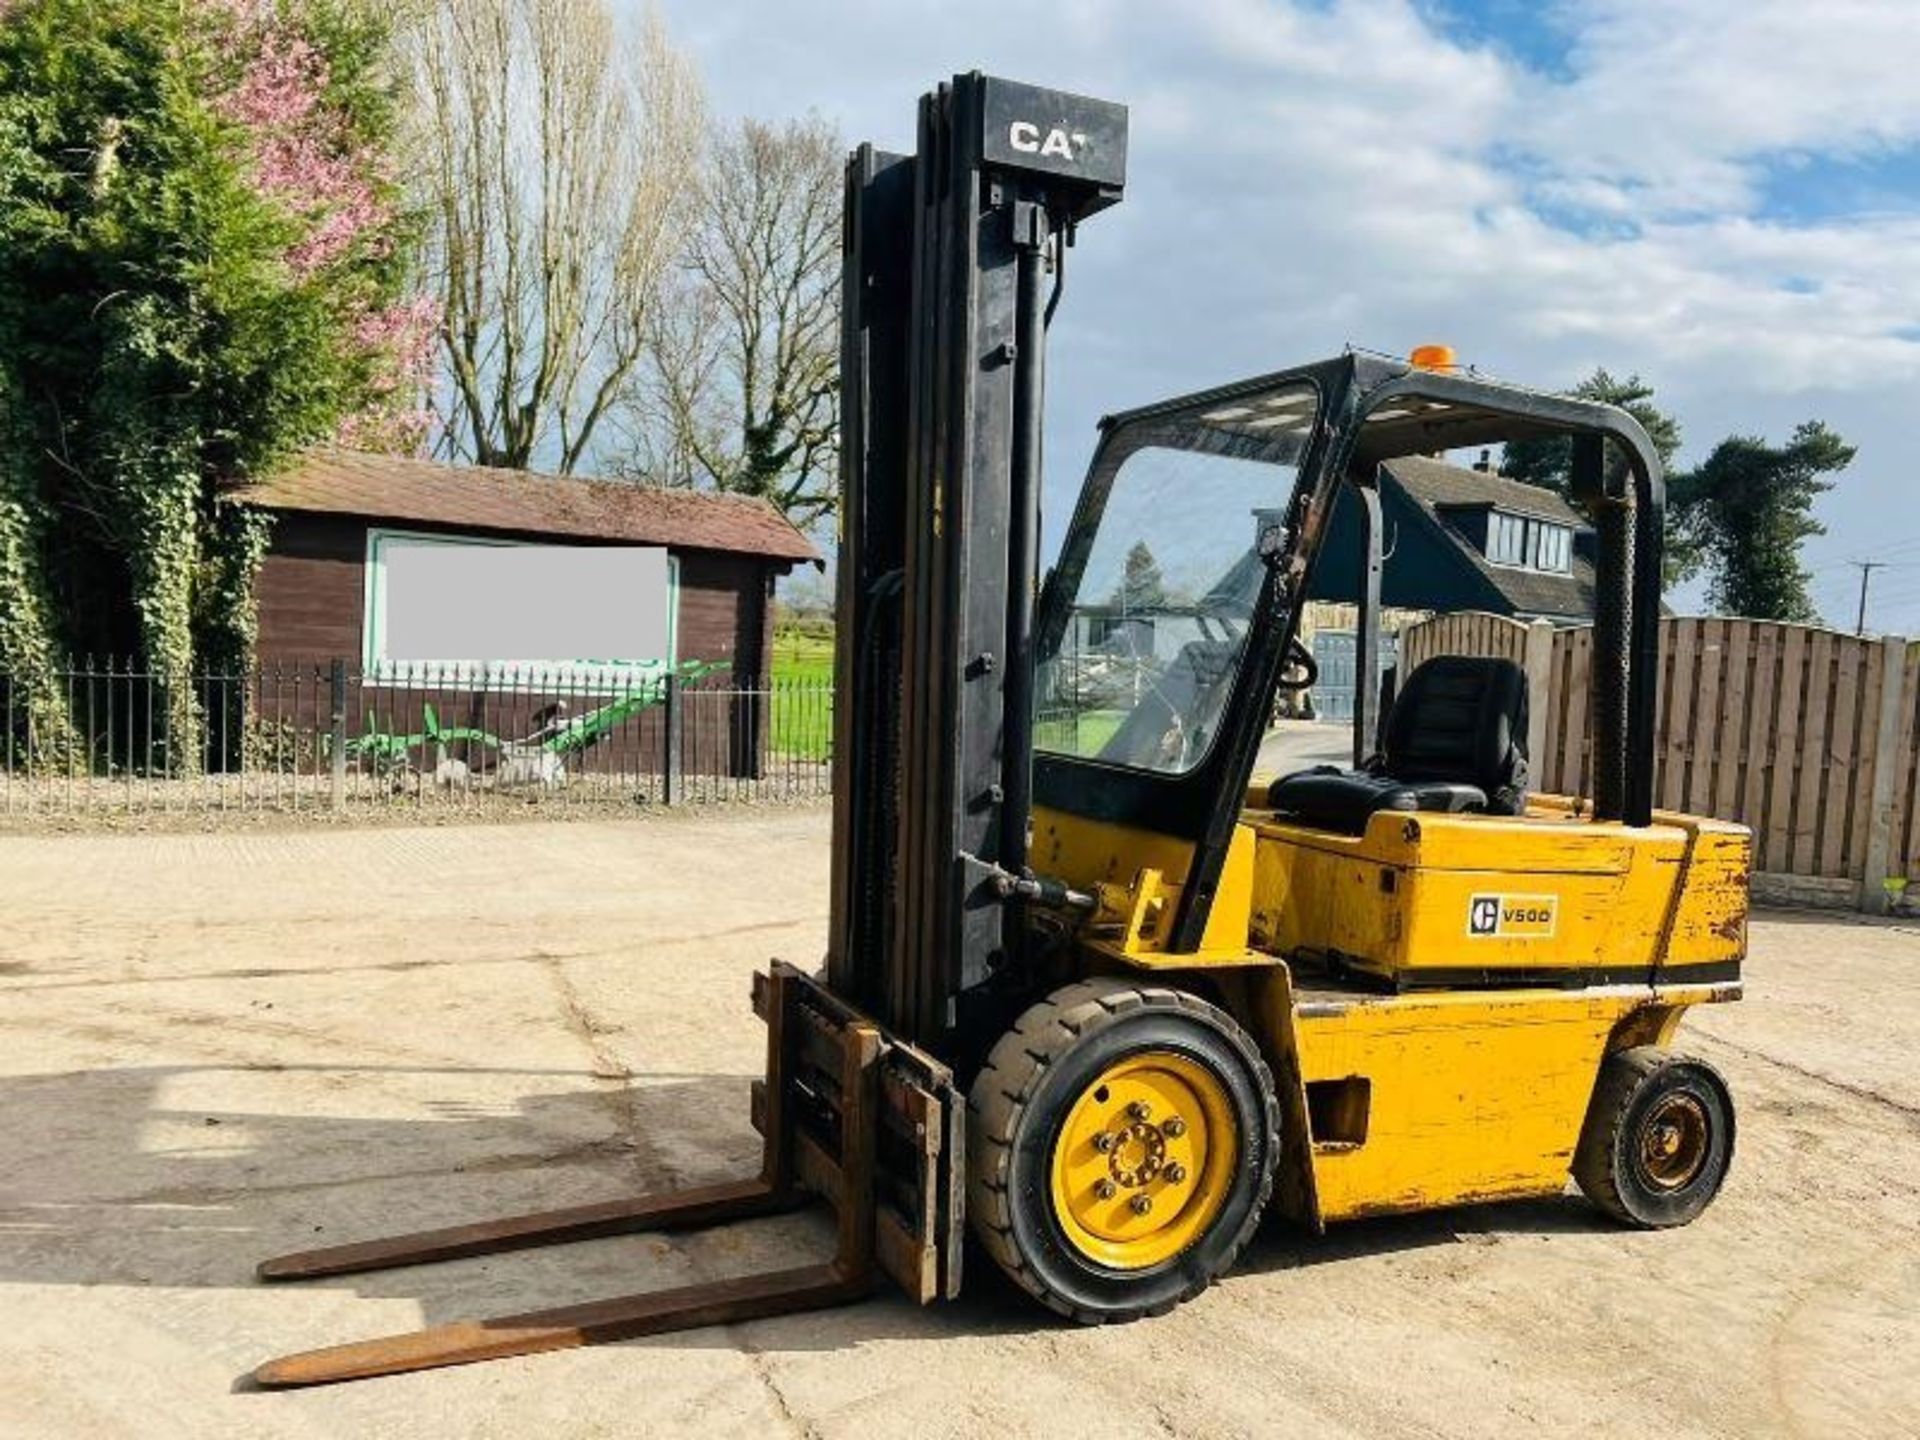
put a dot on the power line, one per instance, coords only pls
(1834, 567)
(1897, 544)
(1899, 548)
(1888, 590)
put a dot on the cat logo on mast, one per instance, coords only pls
(1025, 136)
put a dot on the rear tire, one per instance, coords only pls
(1658, 1139)
(1122, 1140)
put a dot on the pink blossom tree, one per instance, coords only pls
(230, 281)
(308, 154)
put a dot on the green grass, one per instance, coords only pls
(1084, 735)
(803, 655)
(802, 719)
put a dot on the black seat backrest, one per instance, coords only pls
(1462, 719)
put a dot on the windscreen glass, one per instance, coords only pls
(1156, 625)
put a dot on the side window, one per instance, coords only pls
(1142, 670)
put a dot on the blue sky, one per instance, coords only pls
(1722, 195)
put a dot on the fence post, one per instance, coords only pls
(670, 742)
(1538, 663)
(1886, 769)
(337, 721)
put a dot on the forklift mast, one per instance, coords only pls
(945, 313)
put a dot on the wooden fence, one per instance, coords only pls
(1808, 736)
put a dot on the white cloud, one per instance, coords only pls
(1679, 99)
(1383, 149)
(1304, 176)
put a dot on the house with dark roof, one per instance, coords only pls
(372, 556)
(1465, 539)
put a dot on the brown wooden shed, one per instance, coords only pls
(341, 517)
(333, 506)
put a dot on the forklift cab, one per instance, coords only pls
(1171, 623)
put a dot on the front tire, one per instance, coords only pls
(1122, 1143)
(1658, 1139)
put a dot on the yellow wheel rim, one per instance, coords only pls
(1145, 1159)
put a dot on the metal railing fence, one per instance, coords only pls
(293, 736)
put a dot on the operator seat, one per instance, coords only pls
(1455, 742)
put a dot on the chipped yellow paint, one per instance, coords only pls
(1473, 1095)
(1139, 877)
(1401, 899)
(1422, 892)
(1086, 853)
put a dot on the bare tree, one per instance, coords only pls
(742, 393)
(557, 152)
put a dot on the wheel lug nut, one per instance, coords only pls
(1176, 1173)
(1140, 1204)
(1103, 1142)
(1105, 1189)
(1140, 1110)
(1174, 1128)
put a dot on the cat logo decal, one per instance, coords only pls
(1512, 917)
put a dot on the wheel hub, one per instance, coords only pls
(1138, 1155)
(1144, 1160)
(1673, 1142)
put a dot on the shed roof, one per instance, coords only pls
(472, 497)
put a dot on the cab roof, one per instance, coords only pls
(1402, 410)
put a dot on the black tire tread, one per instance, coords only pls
(1015, 1067)
(1623, 1075)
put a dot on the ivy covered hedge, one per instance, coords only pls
(203, 269)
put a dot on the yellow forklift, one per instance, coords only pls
(1092, 992)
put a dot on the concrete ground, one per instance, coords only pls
(1297, 744)
(214, 1048)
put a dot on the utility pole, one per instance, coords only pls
(1866, 569)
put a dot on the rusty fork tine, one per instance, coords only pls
(822, 1056)
(678, 1209)
(750, 1297)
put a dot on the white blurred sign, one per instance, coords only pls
(455, 608)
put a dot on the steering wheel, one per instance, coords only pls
(1301, 671)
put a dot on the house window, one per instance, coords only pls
(457, 609)
(1552, 547)
(1506, 539)
(1529, 544)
